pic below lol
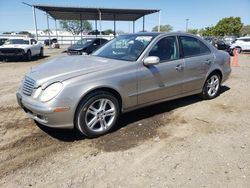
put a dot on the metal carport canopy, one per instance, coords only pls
(84, 13)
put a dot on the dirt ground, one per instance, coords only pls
(183, 143)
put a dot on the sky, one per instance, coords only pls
(15, 16)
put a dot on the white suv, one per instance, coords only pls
(241, 44)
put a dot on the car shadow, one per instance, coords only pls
(68, 135)
(17, 60)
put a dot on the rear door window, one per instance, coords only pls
(193, 47)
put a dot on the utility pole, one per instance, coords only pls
(187, 25)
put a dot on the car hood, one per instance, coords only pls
(14, 46)
(64, 68)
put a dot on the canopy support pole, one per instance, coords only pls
(81, 26)
(143, 23)
(114, 26)
(56, 30)
(95, 28)
(35, 23)
(159, 21)
(133, 26)
(100, 21)
(48, 29)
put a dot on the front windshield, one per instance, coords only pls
(124, 47)
(84, 41)
(16, 41)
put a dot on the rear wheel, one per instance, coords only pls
(97, 114)
(211, 87)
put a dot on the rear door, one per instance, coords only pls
(156, 82)
(198, 59)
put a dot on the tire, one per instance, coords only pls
(28, 56)
(97, 114)
(41, 52)
(211, 88)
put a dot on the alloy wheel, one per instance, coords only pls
(213, 85)
(100, 115)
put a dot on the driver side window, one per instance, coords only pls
(165, 49)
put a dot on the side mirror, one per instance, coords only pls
(151, 60)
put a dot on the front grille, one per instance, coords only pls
(9, 51)
(28, 86)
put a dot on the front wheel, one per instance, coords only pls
(97, 114)
(211, 87)
(238, 50)
(28, 55)
(41, 54)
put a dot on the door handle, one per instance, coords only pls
(179, 67)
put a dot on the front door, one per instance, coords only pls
(156, 82)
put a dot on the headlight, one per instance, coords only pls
(37, 92)
(51, 92)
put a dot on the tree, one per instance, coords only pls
(74, 26)
(47, 31)
(8, 33)
(120, 32)
(228, 26)
(108, 32)
(24, 33)
(163, 28)
(193, 31)
(245, 30)
(207, 31)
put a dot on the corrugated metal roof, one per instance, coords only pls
(85, 13)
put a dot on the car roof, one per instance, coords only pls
(154, 34)
(92, 38)
(244, 37)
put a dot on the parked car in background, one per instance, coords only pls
(86, 46)
(229, 39)
(21, 48)
(2, 40)
(96, 32)
(129, 72)
(240, 44)
(209, 39)
(48, 42)
(220, 44)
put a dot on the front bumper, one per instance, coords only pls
(12, 56)
(44, 113)
(9, 53)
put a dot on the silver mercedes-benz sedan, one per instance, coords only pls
(129, 72)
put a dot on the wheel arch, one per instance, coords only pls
(215, 71)
(29, 50)
(113, 91)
